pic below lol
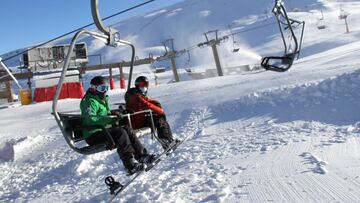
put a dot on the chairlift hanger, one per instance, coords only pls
(284, 63)
(111, 37)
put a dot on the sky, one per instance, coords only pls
(29, 22)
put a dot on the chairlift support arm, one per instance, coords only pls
(112, 34)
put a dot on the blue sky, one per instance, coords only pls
(28, 22)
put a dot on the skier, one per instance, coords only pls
(95, 110)
(136, 100)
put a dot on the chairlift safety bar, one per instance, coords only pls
(153, 129)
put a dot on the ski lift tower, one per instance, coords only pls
(343, 16)
(214, 42)
(172, 54)
(169, 43)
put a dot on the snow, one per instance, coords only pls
(253, 136)
(7, 151)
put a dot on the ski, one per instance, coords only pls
(116, 187)
(166, 152)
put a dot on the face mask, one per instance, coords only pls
(143, 90)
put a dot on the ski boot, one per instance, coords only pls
(135, 167)
(170, 145)
(150, 160)
(147, 158)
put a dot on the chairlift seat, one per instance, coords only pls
(278, 63)
(74, 132)
(73, 125)
(321, 27)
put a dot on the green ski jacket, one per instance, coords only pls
(95, 111)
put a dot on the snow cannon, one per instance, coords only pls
(292, 46)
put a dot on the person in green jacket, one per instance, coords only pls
(95, 110)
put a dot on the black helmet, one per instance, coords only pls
(99, 84)
(98, 80)
(141, 81)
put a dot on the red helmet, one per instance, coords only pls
(141, 81)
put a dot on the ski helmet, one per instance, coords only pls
(99, 83)
(142, 83)
(98, 80)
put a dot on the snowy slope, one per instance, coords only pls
(253, 137)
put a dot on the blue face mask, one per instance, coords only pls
(143, 90)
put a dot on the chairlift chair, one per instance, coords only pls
(234, 42)
(283, 63)
(235, 48)
(72, 129)
(71, 124)
(321, 24)
(188, 61)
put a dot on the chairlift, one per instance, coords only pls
(71, 124)
(343, 14)
(321, 22)
(188, 60)
(235, 48)
(187, 63)
(234, 42)
(284, 63)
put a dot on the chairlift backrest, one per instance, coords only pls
(73, 124)
(73, 128)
